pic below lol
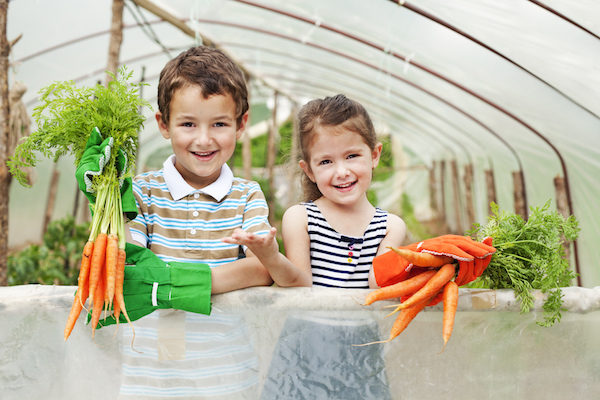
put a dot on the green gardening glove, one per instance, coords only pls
(95, 157)
(151, 284)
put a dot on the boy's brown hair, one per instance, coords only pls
(211, 69)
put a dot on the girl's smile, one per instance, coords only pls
(341, 164)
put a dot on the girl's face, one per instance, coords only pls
(341, 164)
(203, 134)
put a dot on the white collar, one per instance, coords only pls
(179, 188)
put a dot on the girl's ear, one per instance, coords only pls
(306, 168)
(376, 154)
(162, 127)
(242, 127)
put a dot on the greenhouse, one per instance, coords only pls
(484, 109)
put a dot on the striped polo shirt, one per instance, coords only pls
(180, 223)
(339, 260)
(215, 358)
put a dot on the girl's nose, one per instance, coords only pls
(342, 169)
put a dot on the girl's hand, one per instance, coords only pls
(263, 246)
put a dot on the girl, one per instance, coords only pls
(330, 240)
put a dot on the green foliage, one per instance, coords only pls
(68, 114)
(412, 223)
(56, 261)
(386, 162)
(529, 256)
(259, 148)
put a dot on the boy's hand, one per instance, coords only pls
(263, 246)
(94, 160)
(152, 284)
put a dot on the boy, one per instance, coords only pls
(183, 212)
(187, 207)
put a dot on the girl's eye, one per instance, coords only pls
(324, 162)
(220, 124)
(187, 124)
(353, 155)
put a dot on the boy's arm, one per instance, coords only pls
(239, 274)
(394, 237)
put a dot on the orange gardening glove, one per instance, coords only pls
(469, 271)
(473, 257)
(390, 268)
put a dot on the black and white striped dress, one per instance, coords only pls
(338, 260)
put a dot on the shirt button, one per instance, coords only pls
(195, 213)
(196, 195)
(193, 231)
(349, 260)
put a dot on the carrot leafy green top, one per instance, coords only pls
(529, 256)
(68, 114)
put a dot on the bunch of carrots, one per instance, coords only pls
(66, 116)
(102, 269)
(420, 290)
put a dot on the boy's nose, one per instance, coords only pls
(203, 137)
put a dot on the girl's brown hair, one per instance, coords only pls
(211, 69)
(330, 112)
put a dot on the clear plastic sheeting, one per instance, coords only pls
(504, 86)
(298, 343)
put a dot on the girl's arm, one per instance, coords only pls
(394, 237)
(284, 271)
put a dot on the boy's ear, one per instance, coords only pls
(162, 127)
(242, 127)
(306, 168)
(376, 154)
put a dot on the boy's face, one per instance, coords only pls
(203, 134)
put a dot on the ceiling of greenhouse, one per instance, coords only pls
(509, 85)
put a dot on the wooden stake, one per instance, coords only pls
(491, 189)
(51, 198)
(519, 195)
(456, 193)
(468, 179)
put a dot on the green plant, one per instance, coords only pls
(413, 225)
(529, 255)
(56, 261)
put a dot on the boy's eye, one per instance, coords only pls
(323, 162)
(220, 124)
(353, 155)
(187, 124)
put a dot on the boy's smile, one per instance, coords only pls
(203, 134)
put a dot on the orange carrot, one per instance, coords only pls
(404, 318)
(432, 287)
(119, 299)
(400, 289)
(97, 265)
(422, 259)
(82, 288)
(97, 308)
(450, 300)
(84, 271)
(119, 279)
(73, 315)
(112, 249)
